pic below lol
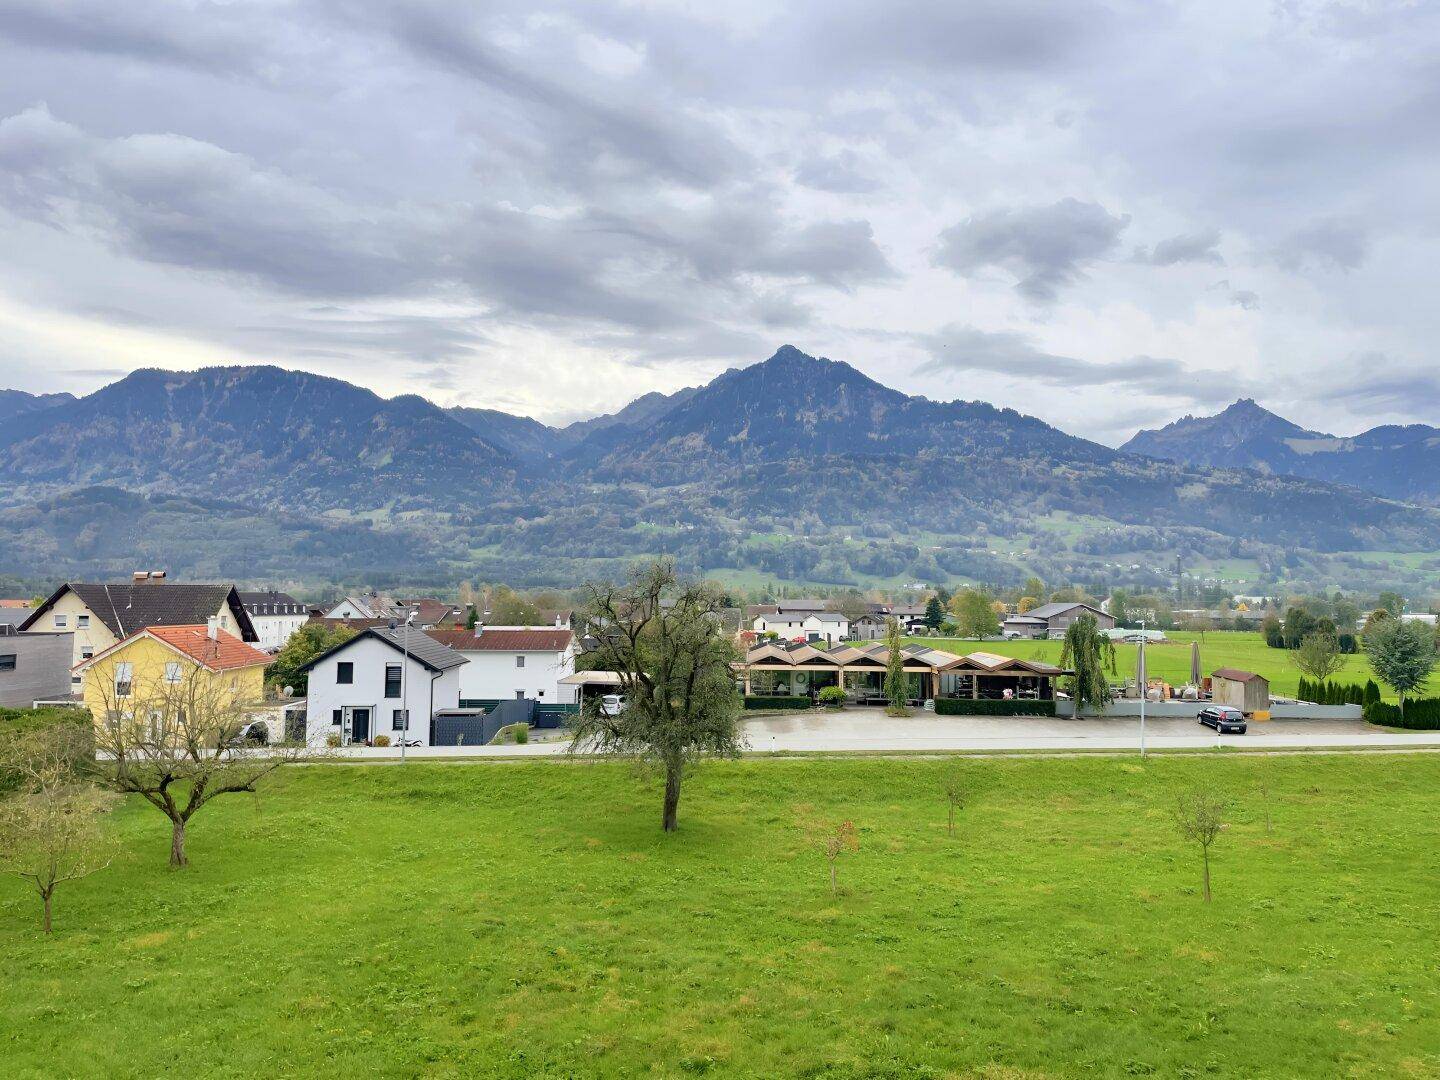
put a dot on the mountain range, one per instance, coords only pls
(798, 468)
(1398, 462)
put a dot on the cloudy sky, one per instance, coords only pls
(1104, 214)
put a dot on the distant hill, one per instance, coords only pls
(1396, 462)
(17, 402)
(252, 434)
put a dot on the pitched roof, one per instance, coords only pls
(127, 608)
(225, 652)
(421, 647)
(272, 603)
(1049, 611)
(504, 640)
(1234, 674)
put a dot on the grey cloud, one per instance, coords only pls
(1330, 244)
(1044, 247)
(1246, 299)
(841, 173)
(1197, 247)
(139, 29)
(959, 349)
(1377, 382)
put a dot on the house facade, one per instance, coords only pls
(99, 616)
(275, 616)
(828, 626)
(1052, 620)
(513, 662)
(33, 667)
(381, 682)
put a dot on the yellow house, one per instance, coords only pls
(166, 663)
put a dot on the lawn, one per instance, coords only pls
(1171, 660)
(528, 920)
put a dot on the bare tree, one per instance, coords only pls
(666, 641)
(170, 744)
(1200, 816)
(51, 828)
(841, 839)
(955, 785)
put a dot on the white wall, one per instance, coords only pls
(494, 674)
(275, 630)
(370, 655)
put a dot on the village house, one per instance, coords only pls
(1052, 620)
(512, 662)
(33, 667)
(275, 616)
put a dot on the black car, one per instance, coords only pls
(1224, 719)
(255, 733)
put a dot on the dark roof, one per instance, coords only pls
(1049, 611)
(272, 603)
(503, 640)
(127, 608)
(420, 645)
(1235, 675)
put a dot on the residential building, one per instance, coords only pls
(513, 662)
(99, 616)
(33, 667)
(382, 681)
(1052, 620)
(275, 616)
(13, 612)
(828, 626)
(369, 606)
(152, 664)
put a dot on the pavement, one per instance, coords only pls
(871, 731)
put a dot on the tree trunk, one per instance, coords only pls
(177, 844)
(672, 796)
(1207, 875)
(951, 823)
(45, 899)
(834, 885)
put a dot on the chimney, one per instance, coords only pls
(212, 627)
(479, 628)
(157, 575)
(139, 575)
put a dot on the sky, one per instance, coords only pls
(1107, 215)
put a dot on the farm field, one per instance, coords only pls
(531, 920)
(1171, 660)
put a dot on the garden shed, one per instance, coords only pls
(1243, 690)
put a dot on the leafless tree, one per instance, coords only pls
(841, 839)
(171, 745)
(955, 785)
(1200, 816)
(51, 828)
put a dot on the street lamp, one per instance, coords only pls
(404, 696)
(1144, 689)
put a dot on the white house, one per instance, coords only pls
(275, 616)
(364, 607)
(363, 687)
(828, 626)
(513, 662)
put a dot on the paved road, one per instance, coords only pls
(861, 730)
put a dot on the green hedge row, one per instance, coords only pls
(992, 707)
(1330, 693)
(1420, 715)
(762, 701)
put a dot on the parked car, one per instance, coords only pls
(1224, 719)
(255, 733)
(612, 704)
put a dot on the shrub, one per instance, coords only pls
(332, 741)
(522, 733)
(832, 697)
(381, 740)
(992, 707)
(776, 702)
(1422, 714)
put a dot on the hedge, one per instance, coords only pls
(763, 701)
(1422, 714)
(1329, 693)
(992, 707)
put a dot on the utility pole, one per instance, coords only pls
(404, 698)
(1143, 688)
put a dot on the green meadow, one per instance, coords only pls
(531, 920)
(1170, 660)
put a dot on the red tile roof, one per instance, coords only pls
(14, 603)
(222, 654)
(504, 640)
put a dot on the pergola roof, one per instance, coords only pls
(874, 655)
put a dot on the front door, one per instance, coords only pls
(359, 725)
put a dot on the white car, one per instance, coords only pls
(612, 704)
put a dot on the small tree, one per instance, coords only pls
(51, 828)
(667, 642)
(1200, 816)
(1402, 654)
(169, 743)
(1319, 656)
(897, 684)
(1090, 654)
(975, 614)
(934, 613)
(844, 838)
(308, 642)
(955, 785)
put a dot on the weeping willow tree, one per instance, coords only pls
(1090, 654)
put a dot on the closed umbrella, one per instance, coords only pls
(1195, 663)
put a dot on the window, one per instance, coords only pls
(82, 622)
(344, 672)
(86, 652)
(60, 622)
(520, 695)
(172, 672)
(519, 661)
(7, 661)
(397, 720)
(124, 674)
(337, 716)
(392, 680)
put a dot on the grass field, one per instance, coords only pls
(1171, 660)
(531, 920)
